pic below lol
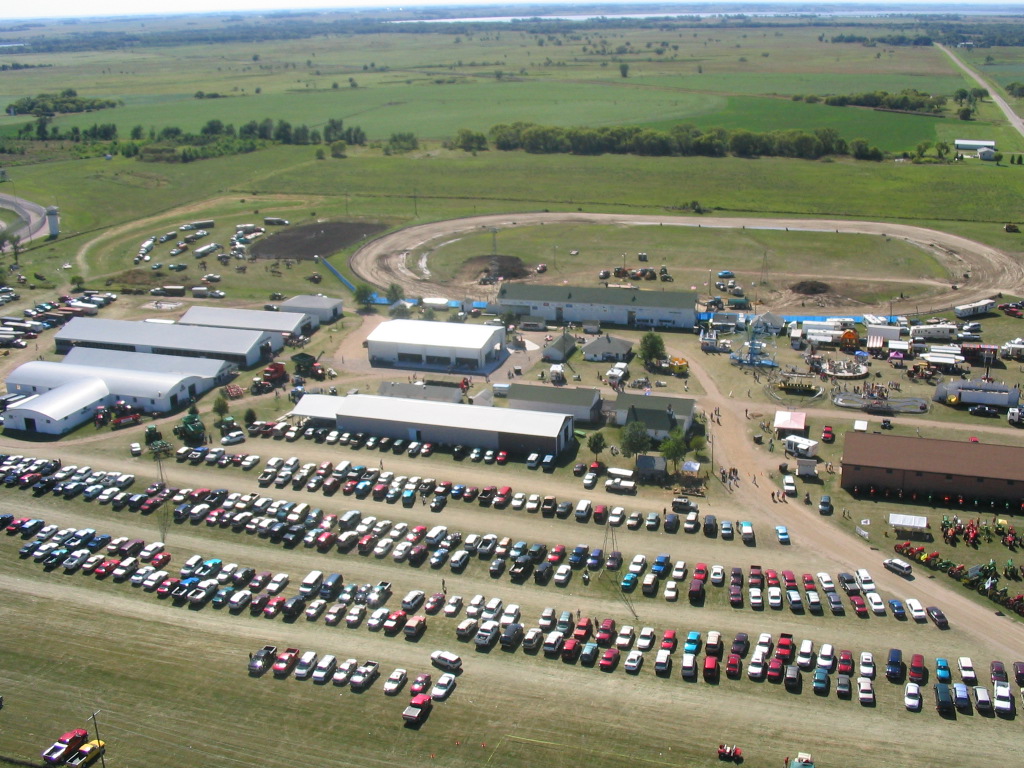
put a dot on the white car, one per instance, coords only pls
(476, 607)
(135, 449)
(826, 582)
(679, 570)
(789, 485)
(151, 551)
(401, 551)
(443, 687)
(755, 598)
(1002, 697)
(547, 619)
(453, 605)
(278, 583)
(867, 584)
(141, 575)
(875, 603)
(332, 437)
(383, 547)
(966, 667)
(107, 495)
(911, 696)
(865, 691)
(867, 665)
(590, 480)
(805, 659)
(775, 597)
(563, 575)
(916, 610)
(519, 501)
(671, 590)
(315, 608)
(617, 517)
(638, 564)
(355, 616)
(533, 502)
(344, 671)
(239, 600)
(717, 575)
(827, 657)
(395, 682)
(646, 639)
(634, 661)
(755, 669)
(624, 640)
(510, 615)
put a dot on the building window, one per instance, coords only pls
(919, 474)
(949, 477)
(888, 471)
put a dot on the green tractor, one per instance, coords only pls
(191, 430)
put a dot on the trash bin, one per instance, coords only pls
(758, 438)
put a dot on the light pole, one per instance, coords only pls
(96, 725)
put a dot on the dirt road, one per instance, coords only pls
(1011, 116)
(385, 260)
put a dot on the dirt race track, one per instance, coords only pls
(384, 260)
(305, 242)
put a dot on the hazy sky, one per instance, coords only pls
(75, 8)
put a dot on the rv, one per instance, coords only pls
(975, 308)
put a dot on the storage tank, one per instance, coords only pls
(53, 220)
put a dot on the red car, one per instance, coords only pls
(808, 581)
(259, 581)
(736, 597)
(700, 572)
(669, 640)
(859, 606)
(584, 628)
(421, 684)
(845, 663)
(434, 603)
(160, 560)
(65, 746)
(274, 606)
(775, 670)
(557, 554)
(416, 534)
(571, 650)
(285, 662)
(790, 578)
(827, 435)
(503, 497)
(326, 540)
(916, 671)
(470, 493)
(106, 568)
(502, 457)
(426, 450)
(395, 621)
(606, 632)
(755, 578)
(772, 578)
(349, 487)
(609, 660)
(733, 666)
(15, 525)
(165, 589)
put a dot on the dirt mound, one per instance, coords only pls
(490, 268)
(317, 239)
(810, 287)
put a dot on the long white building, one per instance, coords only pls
(629, 307)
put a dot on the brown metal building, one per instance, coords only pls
(923, 466)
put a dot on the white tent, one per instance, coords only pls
(908, 522)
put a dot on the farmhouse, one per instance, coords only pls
(582, 403)
(629, 307)
(559, 349)
(508, 429)
(660, 413)
(439, 346)
(289, 323)
(608, 349)
(324, 308)
(922, 466)
(244, 348)
(63, 395)
(985, 153)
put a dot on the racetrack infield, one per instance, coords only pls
(316, 239)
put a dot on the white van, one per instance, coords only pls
(312, 583)
(533, 461)
(898, 566)
(805, 657)
(436, 535)
(692, 524)
(553, 642)
(663, 662)
(583, 507)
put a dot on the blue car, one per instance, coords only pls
(457, 491)
(629, 582)
(662, 566)
(692, 644)
(726, 273)
(897, 610)
(579, 556)
(783, 533)
(596, 559)
(942, 671)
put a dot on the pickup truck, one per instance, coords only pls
(262, 659)
(285, 662)
(747, 532)
(418, 709)
(785, 648)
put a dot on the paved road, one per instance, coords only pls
(1012, 116)
(32, 215)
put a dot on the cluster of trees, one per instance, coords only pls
(14, 66)
(335, 130)
(894, 40)
(1015, 89)
(680, 140)
(64, 102)
(401, 142)
(907, 100)
(41, 130)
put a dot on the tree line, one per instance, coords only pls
(907, 100)
(67, 101)
(679, 141)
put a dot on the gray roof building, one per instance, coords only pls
(137, 361)
(325, 308)
(419, 391)
(559, 349)
(605, 348)
(661, 413)
(631, 307)
(292, 323)
(583, 403)
(244, 347)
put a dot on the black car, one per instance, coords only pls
(982, 410)
(937, 617)
(564, 509)
(497, 567)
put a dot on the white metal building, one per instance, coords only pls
(460, 347)
(242, 347)
(629, 307)
(291, 323)
(325, 308)
(508, 429)
(582, 403)
(63, 395)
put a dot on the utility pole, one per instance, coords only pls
(96, 725)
